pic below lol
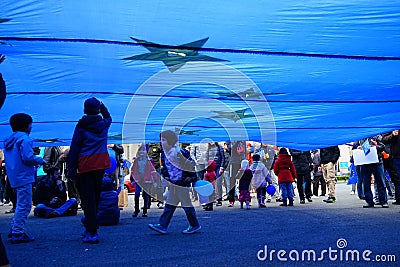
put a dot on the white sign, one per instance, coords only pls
(361, 159)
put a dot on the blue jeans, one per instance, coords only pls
(43, 211)
(377, 170)
(175, 195)
(218, 184)
(287, 191)
(24, 205)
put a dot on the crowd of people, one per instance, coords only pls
(167, 172)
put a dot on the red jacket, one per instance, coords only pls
(284, 169)
(150, 173)
(210, 174)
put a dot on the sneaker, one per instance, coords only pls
(330, 200)
(369, 206)
(314, 197)
(386, 205)
(309, 199)
(158, 228)
(160, 205)
(144, 215)
(10, 211)
(302, 201)
(268, 200)
(219, 203)
(191, 229)
(1, 203)
(90, 238)
(84, 233)
(278, 199)
(52, 214)
(21, 238)
(352, 193)
(230, 204)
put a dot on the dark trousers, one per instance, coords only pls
(234, 170)
(301, 178)
(89, 187)
(73, 191)
(316, 181)
(388, 164)
(145, 196)
(10, 195)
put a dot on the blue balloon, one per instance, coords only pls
(203, 187)
(271, 189)
(113, 162)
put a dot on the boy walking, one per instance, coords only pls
(178, 170)
(21, 172)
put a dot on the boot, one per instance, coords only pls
(290, 203)
(261, 203)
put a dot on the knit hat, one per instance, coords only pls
(20, 121)
(91, 106)
(256, 157)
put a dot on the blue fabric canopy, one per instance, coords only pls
(304, 75)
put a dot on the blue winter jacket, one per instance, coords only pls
(20, 160)
(88, 151)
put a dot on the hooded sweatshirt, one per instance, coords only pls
(88, 150)
(21, 161)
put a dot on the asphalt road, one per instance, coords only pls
(337, 233)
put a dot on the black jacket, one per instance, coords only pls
(302, 161)
(329, 154)
(394, 143)
(46, 190)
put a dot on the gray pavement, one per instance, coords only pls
(229, 237)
